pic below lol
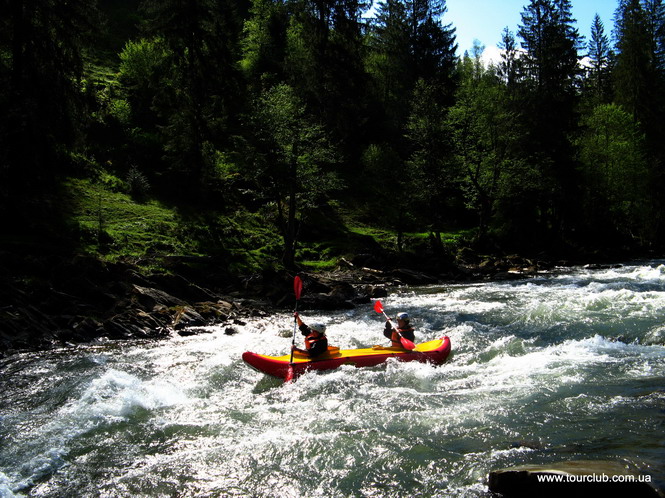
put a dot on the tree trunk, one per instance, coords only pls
(288, 257)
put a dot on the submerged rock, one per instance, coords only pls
(573, 478)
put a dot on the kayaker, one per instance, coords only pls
(316, 341)
(403, 326)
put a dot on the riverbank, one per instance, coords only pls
(57, 301)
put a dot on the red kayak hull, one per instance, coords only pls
(435, 352)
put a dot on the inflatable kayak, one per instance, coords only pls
(435, 352)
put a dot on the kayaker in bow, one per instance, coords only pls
(316, 341)
(403, 327)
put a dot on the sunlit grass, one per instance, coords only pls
(110, 223)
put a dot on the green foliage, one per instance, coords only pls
(485, 136)
(323, 64)
(430, 169)
(613, 159)
(200, 93)
(41, 106)
(387, 185)
(390, 62)
(264, 125)
(601, 58)
(291, 148)
(137, 184)
(112, 223)
(264, 43)
(141, 76)
(639, 73)
(140, 61)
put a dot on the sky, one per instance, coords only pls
(484, 20)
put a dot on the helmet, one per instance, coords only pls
(403, 316)
(319, 327)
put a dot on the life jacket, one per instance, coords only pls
(407, 333)
(316, 344)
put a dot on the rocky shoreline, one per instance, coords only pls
(84, 300)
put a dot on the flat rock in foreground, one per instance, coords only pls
(571, 479)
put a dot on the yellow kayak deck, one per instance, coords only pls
(335, 352)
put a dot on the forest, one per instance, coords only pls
(279, 132)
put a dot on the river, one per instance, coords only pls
(560, 367)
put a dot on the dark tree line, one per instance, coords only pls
(285, 105)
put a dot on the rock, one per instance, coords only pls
(363, 299)
(412, 277)
(188, 317)
(183, 288)
(508, 275)
(117, 329)
(211, 311)
(150, 298)
(193, 331)
(376, 291)
(587, 478)
(325, 302)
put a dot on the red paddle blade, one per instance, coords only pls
(289, 374)
(297, 287)
(378, 307)
(407, 344)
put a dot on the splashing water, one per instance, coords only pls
(562, 367)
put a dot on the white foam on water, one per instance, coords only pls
(5, 487)
(117, 395)
(113, 397)
(520, 365)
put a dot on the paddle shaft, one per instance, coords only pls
(297, 289)
(406, 343)
(393, 326)
(295, 327)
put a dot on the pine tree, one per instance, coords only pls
(634, 69)
(550, 77)
(264, 43)
(551, 44)
(412, 63)
(509, 66)
(202, 88)
(291, 150)
(408, 43)
(390, 65)
(433, 45)
(600, 60)
(41, 102)
(428, 165)
(324, 64)
(655, 14)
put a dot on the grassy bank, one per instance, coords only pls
(106, 221)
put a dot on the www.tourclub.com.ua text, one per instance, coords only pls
(592, 478)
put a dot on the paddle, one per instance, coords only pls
(297, 290)
(406, 344)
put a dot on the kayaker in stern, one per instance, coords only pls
(316, 341)
(403, 327)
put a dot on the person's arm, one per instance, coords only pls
(388, 331)
(304, 329)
